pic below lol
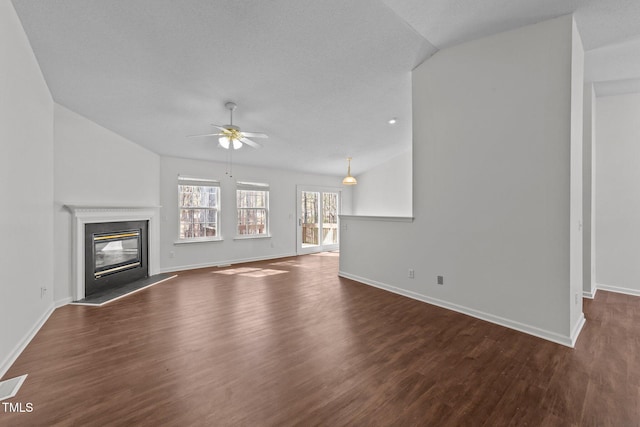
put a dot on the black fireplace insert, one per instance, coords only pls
(115, 254)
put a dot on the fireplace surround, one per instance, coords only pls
(123, 254)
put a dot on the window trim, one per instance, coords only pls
(254, 186)
(202, 182)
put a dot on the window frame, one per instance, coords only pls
(199, 182)
(253, 186)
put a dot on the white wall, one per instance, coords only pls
(576, 189)
(588, 196)
(26, 190)
(282, 211)
(492, 148)
(94, 166)
(387, 189)
(618, 193)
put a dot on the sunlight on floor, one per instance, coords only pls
(290, 263)
(263, 273)
(336, 253)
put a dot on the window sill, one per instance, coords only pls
(379, 218)
(254, 236)
(198, 240)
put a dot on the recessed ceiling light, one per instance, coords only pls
(393, 121)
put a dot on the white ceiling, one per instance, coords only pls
(321, 77)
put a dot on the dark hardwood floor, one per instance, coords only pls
(288, 342)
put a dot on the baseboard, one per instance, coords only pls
(577, 329)
(62, 302)
(590, 295)
(19, 348)
(224, 263)
(568, 341)
(618, 289)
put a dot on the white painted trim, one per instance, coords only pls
(198, 240)
(62, 302)
(320, 188)
(225, 263)
(17, 383)
(252, 236)
(618, 289)
(590, 295)
(577, 329)
(378, 218)
(124, 295)
(92, 214)
(521, 327)
(19, 348)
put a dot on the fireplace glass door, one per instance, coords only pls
(114, 252)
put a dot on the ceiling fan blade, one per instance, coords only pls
(250, 143)
(222, 128)
(255, 134)
(206, 134)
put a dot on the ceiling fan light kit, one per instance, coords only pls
(226, 142)
(230, 136)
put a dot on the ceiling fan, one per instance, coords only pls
(230, 136)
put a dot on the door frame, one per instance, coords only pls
(316, 189)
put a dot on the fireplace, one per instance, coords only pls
(115, 254)
(134, 238)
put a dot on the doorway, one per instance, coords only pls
(317, 211)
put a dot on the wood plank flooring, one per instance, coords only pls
(288, 342)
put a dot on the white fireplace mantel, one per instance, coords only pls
(92, 214)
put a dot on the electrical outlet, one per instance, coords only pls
(576, 298)
(411, 273)
(440, 280)
(43, 291)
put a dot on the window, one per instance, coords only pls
(199, 204)
(253, 209)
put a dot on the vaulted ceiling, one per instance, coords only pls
(320, 77)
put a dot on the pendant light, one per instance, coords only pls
(349, 180)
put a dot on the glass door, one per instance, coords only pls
(329, 225)
(309, 220)
(318, 211)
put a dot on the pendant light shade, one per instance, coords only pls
(349, 180)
